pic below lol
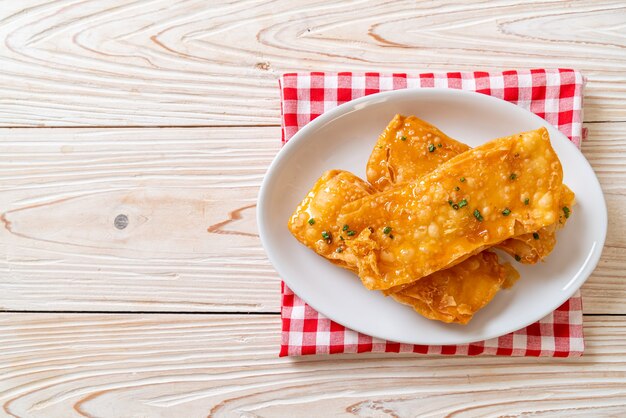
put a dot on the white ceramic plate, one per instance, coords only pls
(344, 137)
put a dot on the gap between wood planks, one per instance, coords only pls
(28, 311)
(22, 311)
(271, 125)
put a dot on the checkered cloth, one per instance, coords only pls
(555, 95)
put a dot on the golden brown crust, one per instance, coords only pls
(457, 293)
(407, 149)
(321, 206)
(431, 234)
(395, 161)
(445, 295)
(534, 247)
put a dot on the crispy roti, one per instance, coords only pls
(314, 223)
(457, 293)
(504, 188)
(450, 295)
(409, 148)
(534, 247)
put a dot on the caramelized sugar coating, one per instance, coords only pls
(407, 149)
(314, 223)
(457, 293)
(410, 148)
(507, 187)
(534, 247)
(451, 295)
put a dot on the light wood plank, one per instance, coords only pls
(191, 243)
(192, 62)
(208, 365)
(605, 148)
(189, 195)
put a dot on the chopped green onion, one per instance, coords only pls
(457, 188)
(526, 201)
(477, 215)
(455, 206)
(325, 235)
(462, 203)
(518, 258)
(566, 211)
(506, 212)
(431, 148)
(339, 249)
(403, 138)
(513, 176)
(345, 227)
(462, 179)
(351, 233)
(311, 221)
(450, 202)
(341, 237)
(535, 235)
(387, 230)
(439, 145)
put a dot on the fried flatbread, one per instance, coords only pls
(314, 223)
(409, 147)
(451, 295)
(457, 293)
(468, 203)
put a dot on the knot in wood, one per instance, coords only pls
(121, 221)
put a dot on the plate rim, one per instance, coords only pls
(290, 146)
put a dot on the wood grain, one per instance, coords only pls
(605, 148)
(154, 219)
(192, 62)
(191, 243)
(189, 195)
(217, 366)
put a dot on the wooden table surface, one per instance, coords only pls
(167, 112)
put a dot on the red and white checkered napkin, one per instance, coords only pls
(555, 95)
